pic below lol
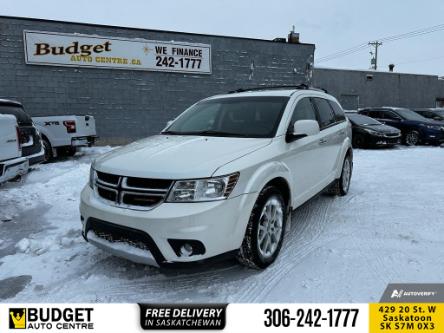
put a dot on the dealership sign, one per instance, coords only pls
(76, 50)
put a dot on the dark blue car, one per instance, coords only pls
(415, 129)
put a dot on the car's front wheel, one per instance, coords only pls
(358, 141)
(412, 138)
(265, 230)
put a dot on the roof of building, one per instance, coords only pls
(147, 29)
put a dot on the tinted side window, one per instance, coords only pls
(339, 113)
(390, 115)
(375, 114)
(303, 111)
(326, 116)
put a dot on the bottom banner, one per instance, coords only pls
(109, 318)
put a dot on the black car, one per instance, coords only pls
(30, 140)
(432, 114)
(415, 129)
(368, 132)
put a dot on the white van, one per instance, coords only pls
(12, 164)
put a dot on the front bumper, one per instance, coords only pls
(218, 225)
(381, 141)
(436, 137)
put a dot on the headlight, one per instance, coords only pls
(207, 189)
(432, 127)
(92, 177)
(372, 132)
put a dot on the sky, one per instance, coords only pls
(332, 25)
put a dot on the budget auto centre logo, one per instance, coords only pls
(49, 318)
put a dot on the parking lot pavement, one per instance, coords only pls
(388, 229)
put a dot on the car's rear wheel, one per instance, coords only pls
(48, 150)
(412, 138)
(265, 230)
(67, 151)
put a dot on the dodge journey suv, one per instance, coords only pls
(222, 178)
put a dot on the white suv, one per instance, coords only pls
(223, 177)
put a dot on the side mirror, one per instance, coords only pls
(302, 129)
(169, 122)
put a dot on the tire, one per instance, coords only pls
(358, 141)
(67, 151)
(341, 185)
(411, 138)
(71, 151)
(253, 252)
(48, 150)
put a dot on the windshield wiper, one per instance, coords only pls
(171, 132)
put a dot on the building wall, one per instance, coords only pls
(133, 104)
(369, 88)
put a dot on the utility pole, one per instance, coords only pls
(374, 60)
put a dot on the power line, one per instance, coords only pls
(345, 52)
(418, 61)
(388, 39)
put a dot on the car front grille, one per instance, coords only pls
(132, 192)
(392, 135)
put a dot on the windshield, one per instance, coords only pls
(255, 117)
(358, 119)
(410, 115)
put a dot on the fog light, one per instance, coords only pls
(187, 247)
(186, 250)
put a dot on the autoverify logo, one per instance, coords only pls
(397, 294)
(17, 318)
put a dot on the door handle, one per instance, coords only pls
(323, 141)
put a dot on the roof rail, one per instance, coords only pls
(301, 86)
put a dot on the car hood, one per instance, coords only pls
(382, 128)
(176, 157)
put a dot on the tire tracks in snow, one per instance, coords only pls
(308, 223)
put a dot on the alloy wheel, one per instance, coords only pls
(346, 175)
(270, 227)
(412, 139)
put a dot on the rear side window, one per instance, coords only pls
(303, 111)
(339, 113)
(326, 116)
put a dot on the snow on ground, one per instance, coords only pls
(389, 228)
